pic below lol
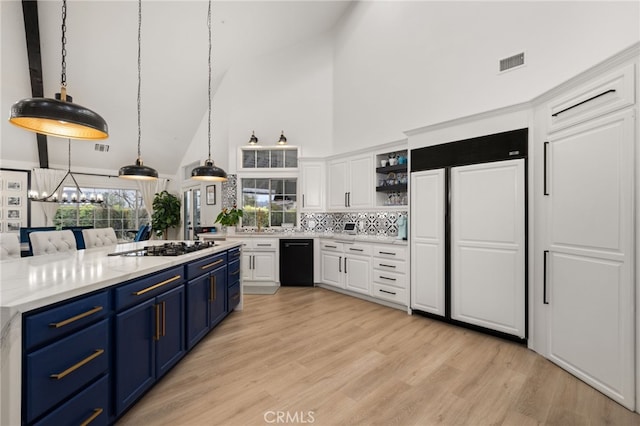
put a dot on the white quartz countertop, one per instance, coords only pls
(32, 282)
(286, 235)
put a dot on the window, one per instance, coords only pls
(122, 210)
(272, 158)
(269, 201)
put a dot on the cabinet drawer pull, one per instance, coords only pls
(96, 413)
(354, 249)
(387, 252)
(387, 278)
(263, 245)
(583, 102)
(236, 254)
(74, 367)
(76, 318)
(217, 262)
(387, 266)
(388, 292)
(544, 171)
(340, 264)
(160, 284)
(235, 272)
(236, 297)
(328, 246)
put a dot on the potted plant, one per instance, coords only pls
(166, 213)
(229, 218)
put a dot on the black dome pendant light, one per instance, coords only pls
(59, 117)
(138, 171)
(209, 172)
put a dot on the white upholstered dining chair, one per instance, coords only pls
(99, 237)
(9, 246)
(52, 242)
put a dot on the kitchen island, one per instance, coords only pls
(32, 284)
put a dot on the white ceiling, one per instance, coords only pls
(102, 67)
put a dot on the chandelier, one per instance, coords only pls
(73, 197)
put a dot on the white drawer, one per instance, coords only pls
(608, 93)
(252, 243)
(389, 251)
(393, 294)
(331, 246)
(390, 278)
(264, 243)
(390, 265)
(357, 248)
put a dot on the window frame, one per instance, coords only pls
(288, 173)
(278, 170)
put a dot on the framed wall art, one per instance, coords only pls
(211, 195)
(15, 207)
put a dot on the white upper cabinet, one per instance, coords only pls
(312, 185)
(350, 183)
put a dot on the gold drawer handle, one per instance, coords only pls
(153, 287)
(212, 288)
(235, 297)
(156, 334)
(73, 368)
(96, 413)
(76, 318)
(235, 272)
(217, 262)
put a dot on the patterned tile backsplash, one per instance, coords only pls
(383, 223)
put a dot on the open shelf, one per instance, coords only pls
(400, 187)
(389, 169)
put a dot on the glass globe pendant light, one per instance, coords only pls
(138, 171)
(209, 171)
(59, 117)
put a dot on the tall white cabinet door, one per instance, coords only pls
(589, 281)
(332, 268)
(488, 245)
(358, 274)
(264, 264)
(427, 241)
(311, 185)
(361, 188)
(337, 184)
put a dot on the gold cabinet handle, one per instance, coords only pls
(76, 318)
(164, 319)
(212, 288)
(236, 297)
(217, 262)
(73, 368)
(160, 284)
(156, 334)
(96, 413)
(235, 272)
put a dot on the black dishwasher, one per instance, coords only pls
(296, 262)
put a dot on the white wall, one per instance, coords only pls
(403, 65)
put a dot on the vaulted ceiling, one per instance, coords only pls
(102, 67)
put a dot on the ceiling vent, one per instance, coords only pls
(101, 147)
(512, 62)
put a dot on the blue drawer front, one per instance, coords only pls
(234, 272)
(90, 404)
(234, 254)
(234, 296)
(145, 288)
(57, 322)
(87, 350)
(206, 265)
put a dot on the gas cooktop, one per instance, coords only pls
(167, 249)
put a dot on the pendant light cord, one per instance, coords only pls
(209, 25)
(139, 66)
(63, 76)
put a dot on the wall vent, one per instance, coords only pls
(512, 62)
(101, 147)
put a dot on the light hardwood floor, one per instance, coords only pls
(328, 359)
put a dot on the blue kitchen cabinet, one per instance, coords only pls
(206, 296)
(149, 336)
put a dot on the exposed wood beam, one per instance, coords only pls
(32, 33)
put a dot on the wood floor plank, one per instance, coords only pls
(324, 358)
